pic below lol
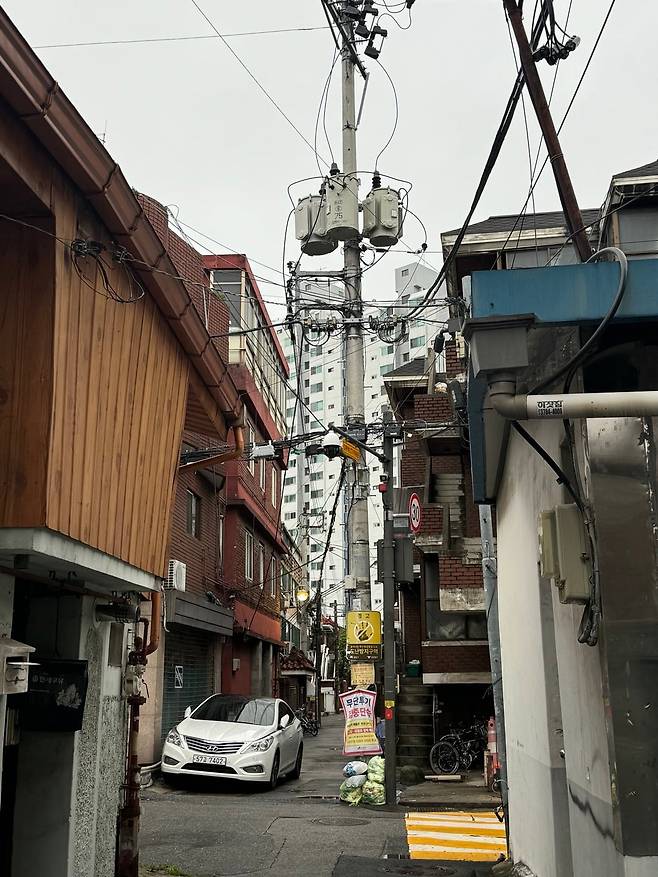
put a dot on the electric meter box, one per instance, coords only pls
(563, 554)
(342, 207)
(382, 217)
(15, 666)
(311, 226)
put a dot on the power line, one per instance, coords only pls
(257, 82)
(179, 39)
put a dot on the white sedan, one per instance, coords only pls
(228, 736)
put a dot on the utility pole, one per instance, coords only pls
(388, 551)
(318, 655)
(565, 188)
(357, 532)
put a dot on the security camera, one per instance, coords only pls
(331, 445)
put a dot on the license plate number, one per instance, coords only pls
(209, 759)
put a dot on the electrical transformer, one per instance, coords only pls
(311, 226)
(342, 207)
(382, 217)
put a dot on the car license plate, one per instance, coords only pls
(209, 759)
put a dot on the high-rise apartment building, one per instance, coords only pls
(311, 482)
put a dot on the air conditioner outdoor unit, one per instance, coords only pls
(176, 576)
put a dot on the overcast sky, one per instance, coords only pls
(188, 125)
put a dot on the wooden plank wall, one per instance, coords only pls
(119, 402)
(26, 320)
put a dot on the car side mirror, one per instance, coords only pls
(188, 712)
(284, 722)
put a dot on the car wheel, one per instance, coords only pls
(297, 770)
(274, 775)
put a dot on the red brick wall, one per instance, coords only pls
(458, 658)
(434, 409)
(189, 265)
(454, 573)
(201, 555)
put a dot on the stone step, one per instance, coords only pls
(414, 751)
(415, 761)
(414, 709)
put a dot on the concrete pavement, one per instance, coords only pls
(208, 828)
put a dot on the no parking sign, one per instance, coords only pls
(415, 513)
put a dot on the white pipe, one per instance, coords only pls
(573, 405)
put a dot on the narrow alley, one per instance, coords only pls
(217, 828)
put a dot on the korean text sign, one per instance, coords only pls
(359, 735)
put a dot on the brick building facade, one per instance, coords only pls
(222, 630)
(442, 613)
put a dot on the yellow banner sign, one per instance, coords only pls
(362, 675)
(364, 628)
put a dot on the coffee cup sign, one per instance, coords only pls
(415, 513)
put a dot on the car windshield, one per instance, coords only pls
(227, 708)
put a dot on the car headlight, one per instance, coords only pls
(174, 738)
(260, 745)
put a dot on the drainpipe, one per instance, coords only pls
(236, 451)
(571, 406)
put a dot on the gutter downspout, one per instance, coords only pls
(571, 406)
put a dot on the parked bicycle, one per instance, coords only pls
(309, 723)
(458, 749)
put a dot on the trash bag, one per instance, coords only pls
(373, 793)
(354, 782)
(376, 769)
(349, 795)
(355, 768)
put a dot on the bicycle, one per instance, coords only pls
(458, 749)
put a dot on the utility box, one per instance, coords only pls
(342, 207)
(311, 226)
(382, 217)
(563, 553)
(15, 665)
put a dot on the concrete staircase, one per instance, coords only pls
(414, 723)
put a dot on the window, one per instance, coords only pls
(405, 357)
(404, 272)
(330, 388)
(316, 388)
(316, 494)
(317, 406)
(440, 625)
(417, 342)
(387, 351)
(273, 577)
(316, 370)
(193, 514)
(374, 395)
(275, 487)
(307, 383)
(248, 556)
(384, 369)
(289, 516)
(333, 475)
(220, 540)
(330, 407)
(316, 476)
(291, 497)
(251, 440)
(306, 488)
(329, 370)
(261, 564)
(261, 474)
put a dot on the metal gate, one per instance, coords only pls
(188, 673)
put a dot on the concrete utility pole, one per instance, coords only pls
(565, 188)
(357, 532)
(388, 577)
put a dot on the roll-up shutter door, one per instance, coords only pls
(188, 673)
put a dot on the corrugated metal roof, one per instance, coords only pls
(497, 224)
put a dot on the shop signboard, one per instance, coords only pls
(359, 737)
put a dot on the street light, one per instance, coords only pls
(302, 595)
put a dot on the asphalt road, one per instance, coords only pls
(207, 829)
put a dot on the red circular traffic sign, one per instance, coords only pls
(415, 513)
